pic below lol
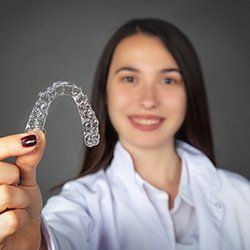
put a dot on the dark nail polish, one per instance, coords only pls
(29, 141)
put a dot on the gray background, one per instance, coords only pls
(46, 41)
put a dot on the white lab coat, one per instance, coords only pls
(108, 211)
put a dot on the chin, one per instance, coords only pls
(144, 142)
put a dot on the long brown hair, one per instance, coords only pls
(196, 128)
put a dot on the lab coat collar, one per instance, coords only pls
(199, 166)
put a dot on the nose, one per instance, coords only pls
(148, 97)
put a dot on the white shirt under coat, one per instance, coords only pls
(117, 210)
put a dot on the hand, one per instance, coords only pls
(20, 196)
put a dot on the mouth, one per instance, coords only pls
(146, 122)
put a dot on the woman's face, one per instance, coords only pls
(146, 95)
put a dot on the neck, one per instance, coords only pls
(160, 166)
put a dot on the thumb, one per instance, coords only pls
(27, 163)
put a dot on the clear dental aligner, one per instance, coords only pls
(40, 111)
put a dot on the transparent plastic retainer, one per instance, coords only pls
(40, 111)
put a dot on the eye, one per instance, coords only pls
(128, 79)
(168, 80)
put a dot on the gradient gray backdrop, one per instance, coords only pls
(46, 41)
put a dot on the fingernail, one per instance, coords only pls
(29, 141)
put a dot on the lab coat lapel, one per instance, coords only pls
(210, 212)
(205, 183)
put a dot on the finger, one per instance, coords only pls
(13, 197)
(12, 145)
(11, 221)
(27, 163)
(9, 173)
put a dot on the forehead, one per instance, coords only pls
(141, 48)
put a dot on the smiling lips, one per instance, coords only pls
(146, 122)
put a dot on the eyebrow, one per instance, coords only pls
(170, 70)
(131, 69)
(127, 69)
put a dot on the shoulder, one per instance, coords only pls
(233, 178)
(234, 184)
(80, 193)
(91, 183)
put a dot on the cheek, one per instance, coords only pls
(118, 102)
(176, 103)
(118, 99)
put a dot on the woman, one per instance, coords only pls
(151, 183)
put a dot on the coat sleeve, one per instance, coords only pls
(66, 222)
(236, 197)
